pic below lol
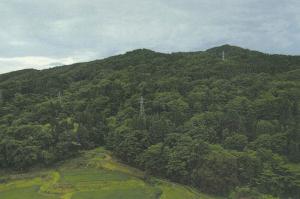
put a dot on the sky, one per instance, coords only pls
(46, 33)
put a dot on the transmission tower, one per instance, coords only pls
(142, 108)
(223, 56)
(59, 97)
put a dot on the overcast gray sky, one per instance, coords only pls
(45, 33)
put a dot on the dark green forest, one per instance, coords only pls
(217, 125)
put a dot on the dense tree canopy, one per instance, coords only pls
(226, 127)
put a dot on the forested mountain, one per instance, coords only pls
(207, 122)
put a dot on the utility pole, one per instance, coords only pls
(142, 108)
(223, 55)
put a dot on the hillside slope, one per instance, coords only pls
(192, 118)
(94, 175)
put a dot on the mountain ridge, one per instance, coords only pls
(219, 125)
(227, 48)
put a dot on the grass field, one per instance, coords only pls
(28, 192)
(92, 175)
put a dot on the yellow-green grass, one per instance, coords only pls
(133, 190)
(115, 194)
(94, 174)
(25, 193)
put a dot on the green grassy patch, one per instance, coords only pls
(120, 192)
(26, 193)
(94, 174)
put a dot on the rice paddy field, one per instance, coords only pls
(92, 175)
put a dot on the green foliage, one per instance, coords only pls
(236, 142)
(195, 104)
(246, 192)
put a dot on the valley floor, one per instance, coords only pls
(93, 175)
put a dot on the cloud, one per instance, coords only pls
(39, 62)
(17, 63)
(85, 30)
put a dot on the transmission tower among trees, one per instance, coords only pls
(59, 97)
(142, 108)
